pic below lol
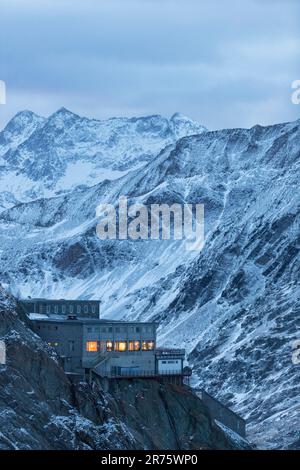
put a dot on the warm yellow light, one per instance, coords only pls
(134, 345)
(109, 346)
(147, 345)
(121, 346)
(92, 346)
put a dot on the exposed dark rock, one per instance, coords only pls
(41, 409)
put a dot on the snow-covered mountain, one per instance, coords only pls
(234, 305)
(44, 157)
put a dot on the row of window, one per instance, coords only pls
(71, 344)
(170, 362)
(67, 309)
(49, 327)
(120, 329)
(121, 346)
(110, 329)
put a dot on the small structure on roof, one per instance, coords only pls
(62, 307)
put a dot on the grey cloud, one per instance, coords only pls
(125, 56)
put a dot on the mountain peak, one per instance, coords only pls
(20, 128)
(27, 113)
(61, 117)
(184, 126)
(23, 118)
(63, 110)
(179, 117)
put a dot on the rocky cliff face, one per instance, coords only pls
(234, 306)
(41, 409)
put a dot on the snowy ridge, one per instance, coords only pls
(234, 306)
(44, 157)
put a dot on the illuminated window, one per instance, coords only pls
(120, 346)
(150, 345)
(147, 345)
(109, 345)
(134, 345)
(91, 346)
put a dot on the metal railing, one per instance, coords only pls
(96, 359)
(142, 373)
(169, 351)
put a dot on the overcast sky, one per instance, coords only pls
(225, 63)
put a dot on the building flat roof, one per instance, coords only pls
(169, 351)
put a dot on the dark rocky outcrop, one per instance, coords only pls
(41, 409)
(165, 416)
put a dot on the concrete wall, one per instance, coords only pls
(70, 337)
(165, 365)
(223, 414)
(66, 338)
(133, 363)
(118, 363)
